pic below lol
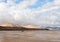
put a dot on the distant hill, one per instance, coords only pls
(9, 26)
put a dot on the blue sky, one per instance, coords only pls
(36, 12)
(39, 3)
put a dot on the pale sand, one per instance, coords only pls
(30, 36)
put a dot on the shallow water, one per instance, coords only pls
(30, 36)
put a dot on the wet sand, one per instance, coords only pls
(30, 36)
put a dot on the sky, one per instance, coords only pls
(35, 12)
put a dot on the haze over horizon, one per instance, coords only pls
(35, 12)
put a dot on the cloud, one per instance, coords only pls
(48, 14)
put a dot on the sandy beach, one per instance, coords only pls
(30, 36)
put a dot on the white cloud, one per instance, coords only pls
(17, 13)
(2, 6)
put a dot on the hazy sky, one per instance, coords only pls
(37, 12)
